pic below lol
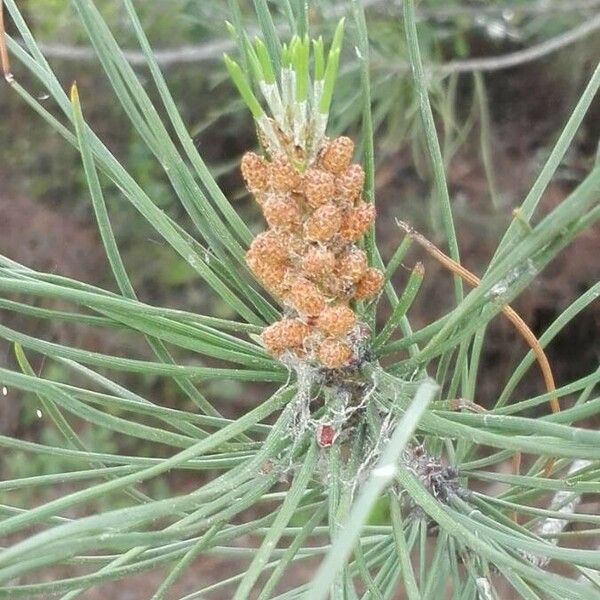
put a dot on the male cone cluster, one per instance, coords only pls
(308, 257)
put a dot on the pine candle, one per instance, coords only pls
(310, 194)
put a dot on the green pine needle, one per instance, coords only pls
(301, 57)
(332, 68)
(319, 59)
(265, 62)
(243, 87)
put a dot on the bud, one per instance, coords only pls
(283, 176)
(337, 288)
(254, 172)
(296, 243)
(349, 184)
(351, 265)
(268, 246)
(319, 187)
(304, 296)
(337, 320)
(334, 353)
(337, 155)
(369, 285)
(273, 275)
(285, 334)
(282, 211)
(357, 221)
(318, 262)
(323, 224)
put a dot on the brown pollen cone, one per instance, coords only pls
(357, 221)
(334, 353)
(268, 246)
(350, 183)
(369, 285)
(282, 211)
(283, 176)
(351, 265)
(285, 334)
(337, 155)
(319, 187)
(324, 223)
(336, 320)
(273, 276)
(318, 262)
(254, 172)
(305, 297)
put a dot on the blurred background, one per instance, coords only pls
(504, 77)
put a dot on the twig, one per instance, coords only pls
(168, 57)
(544, 7)
(536, 52)
(214, 50)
